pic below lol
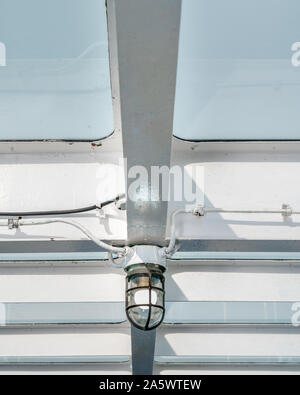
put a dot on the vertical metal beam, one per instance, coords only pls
(143, 347)
(143, 40)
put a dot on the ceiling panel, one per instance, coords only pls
(55, 84)
(236, 80)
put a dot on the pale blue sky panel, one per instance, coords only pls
(236, 80)
(56, 82)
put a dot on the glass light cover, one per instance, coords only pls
(145, 296)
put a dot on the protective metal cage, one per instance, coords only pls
(145, 295)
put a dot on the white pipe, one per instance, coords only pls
(285, 211)
(201, 211)
(102, 244)
(170, 249)
(246, 211)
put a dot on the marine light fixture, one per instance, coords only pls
(145, 287)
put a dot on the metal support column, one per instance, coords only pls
(143, 41)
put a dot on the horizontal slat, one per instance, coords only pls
(235, 256)
(228, 341)
(61, 314)
(192, 251)
(54, 259)
(229, 313)
(63, 360)
(177, 313)
(228, 360)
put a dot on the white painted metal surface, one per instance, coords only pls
(227, 183)
(43, 176)
(258, 175)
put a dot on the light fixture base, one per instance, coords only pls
(145, 254)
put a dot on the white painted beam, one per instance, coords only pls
(143, 40)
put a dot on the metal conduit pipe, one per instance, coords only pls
(15, 223)
(200, 211)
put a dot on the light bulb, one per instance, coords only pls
(145, 310)
(142, 297)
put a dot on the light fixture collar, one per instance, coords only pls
(141, 254)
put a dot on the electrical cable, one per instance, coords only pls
(61, 212)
